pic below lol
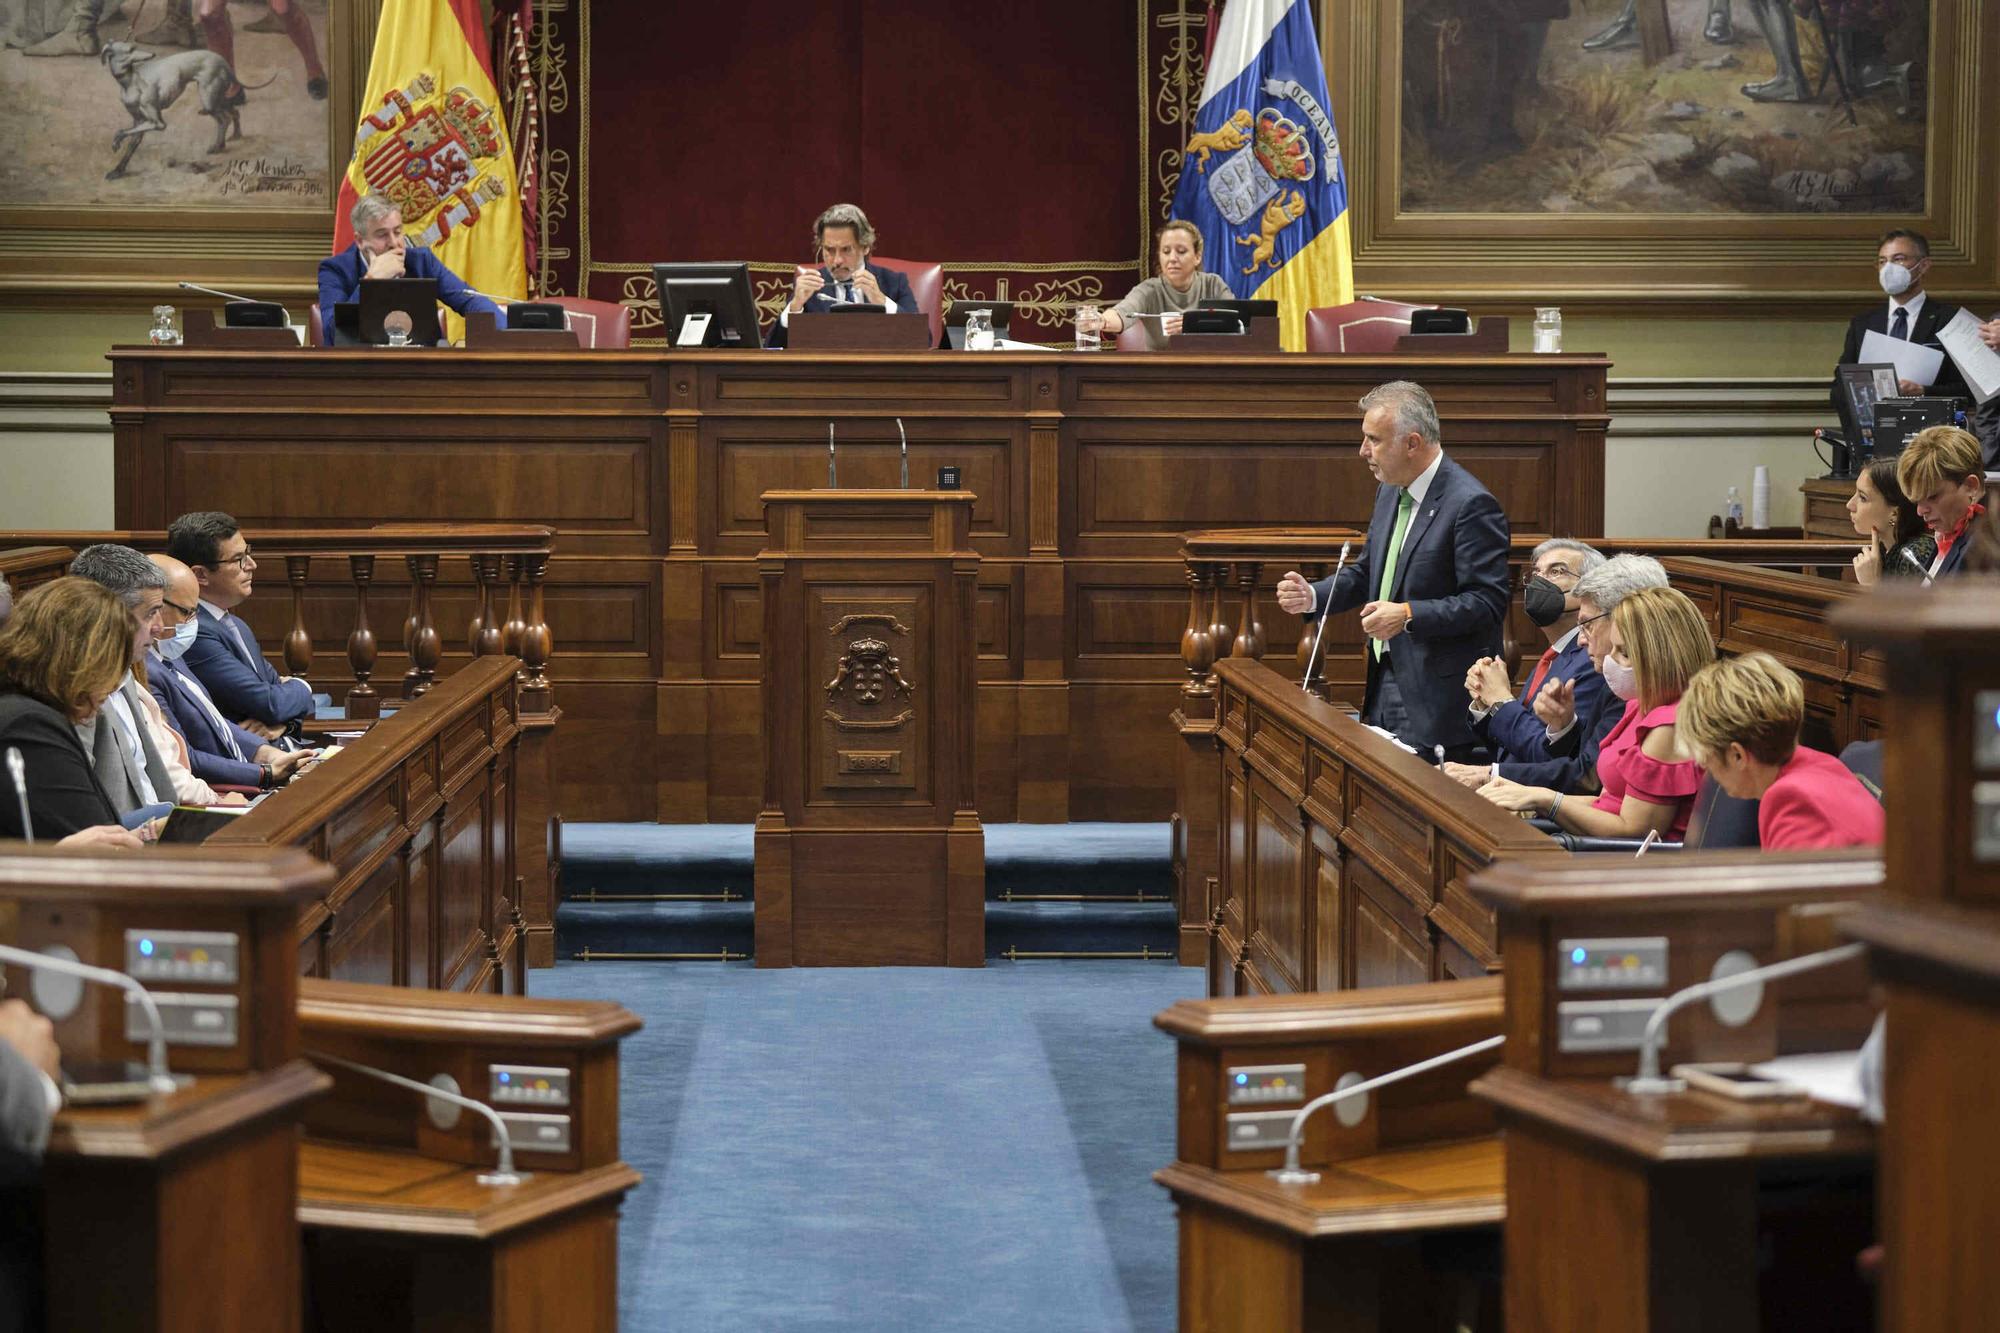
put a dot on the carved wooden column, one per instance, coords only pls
(423, 642)
(484, 637)
(298, 643)
(362, 699)
(1194, 819)
(537, 643)
(510, 633)
(869, 850)
(1249, 641)
(527, 636)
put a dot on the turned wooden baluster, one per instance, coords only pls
(298, 643)
(510, 633)
(1198, 639)
(485, 636)
(425, 645)
(1249, 640)
(537, 644)
(362, 699)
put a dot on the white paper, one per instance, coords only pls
(1912, 361)
(1976, 361)
(1827, 1076)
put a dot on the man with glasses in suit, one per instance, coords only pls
(843, 240)
(224, 655)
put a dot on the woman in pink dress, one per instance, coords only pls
(1740, 719)
(1658, 641)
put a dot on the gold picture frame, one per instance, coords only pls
(86, 258)
(1664, 263)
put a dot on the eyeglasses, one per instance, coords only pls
(1583, 626)
(241, 559)
(176, 606)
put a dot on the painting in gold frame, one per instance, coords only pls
(1640, 249)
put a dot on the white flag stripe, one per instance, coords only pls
(1245, 29)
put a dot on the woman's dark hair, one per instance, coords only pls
(1882, 476)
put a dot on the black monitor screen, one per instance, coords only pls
(1860, 387)
(720, 291)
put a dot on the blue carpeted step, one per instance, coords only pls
(587, 929)
(1107, 927)
(656, 858)
(1097, 860)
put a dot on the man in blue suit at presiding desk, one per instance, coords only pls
(843, 240)
(380, 250)
(1431, 583)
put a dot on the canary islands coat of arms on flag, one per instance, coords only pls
(1262, 175)
(439, 156)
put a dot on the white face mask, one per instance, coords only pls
(173, 649)
(1620, 679)
(1895, 279)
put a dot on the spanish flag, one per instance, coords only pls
(432, 137)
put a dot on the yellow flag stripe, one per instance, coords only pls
(1322, 274)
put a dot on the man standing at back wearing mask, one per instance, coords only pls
(1516, 738)
(1902, 262)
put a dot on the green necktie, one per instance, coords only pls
(1405, 507)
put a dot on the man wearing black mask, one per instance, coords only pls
(1508, 726)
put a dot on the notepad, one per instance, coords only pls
(1976, 361)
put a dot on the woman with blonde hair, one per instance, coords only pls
(1658, 640)
(1181, 286)
(1940, 470)
(66, 647)
(1740, 720)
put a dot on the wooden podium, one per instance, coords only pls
(869, 852)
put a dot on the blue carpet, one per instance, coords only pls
(894, 1148)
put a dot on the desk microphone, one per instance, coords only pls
(227, 296)
(158, 1076)
(832, 482)
(906, 453)
(1648, 1078)
(1646, 844)
(1291, 1173)
(503, 1173)
(1324, 616)
(17, 770)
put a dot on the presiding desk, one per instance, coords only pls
(1086, 471)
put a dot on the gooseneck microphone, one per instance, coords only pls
(503, 1172)
(227, 296)
(906, 453)
(1292, 1174)
(1648, 1078)
(17, 770)
(832, 482)
(1313, 657)
(158, 1076)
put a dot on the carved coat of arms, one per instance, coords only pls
(869, 672)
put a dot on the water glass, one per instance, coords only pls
(979, 331)
(1548, 329)
(1089, 328)
(164, 333)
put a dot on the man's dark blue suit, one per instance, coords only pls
(340, 280)
(209, 754)
(894, 285)
(1453, 573)
(224, 656)
(1520, 741)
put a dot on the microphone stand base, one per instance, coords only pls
(503, 1177)
(1291, 1175)
(166, 1085)
(1650, 1087)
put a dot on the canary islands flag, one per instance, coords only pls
(1262, 176)
(432, 138)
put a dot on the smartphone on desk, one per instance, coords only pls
(1738, 1081)
(104, 1082)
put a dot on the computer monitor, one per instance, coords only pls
(1861, 387)
(409, 304)
(715, 297)
(1248, 309)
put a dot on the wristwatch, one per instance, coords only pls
(265, 777)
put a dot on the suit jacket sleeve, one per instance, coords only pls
(1521, 735)
(339, 281)
(24, 1116)
(1479, 555)
(63, 795)
(240, 692)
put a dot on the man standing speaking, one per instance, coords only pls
(1431, 583)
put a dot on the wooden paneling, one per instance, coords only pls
(1085, 471)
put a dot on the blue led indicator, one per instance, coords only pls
(506, 1078)
(1242, 1078)
(1577, 955)
(146, 948)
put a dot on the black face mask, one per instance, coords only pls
(1544, 602)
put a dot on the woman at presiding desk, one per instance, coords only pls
(1659, 641)
(1740, 719)
(65, 648)
(1181, 286)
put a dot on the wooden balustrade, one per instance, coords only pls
(25, 566)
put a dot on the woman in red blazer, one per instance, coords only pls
(1740, 718)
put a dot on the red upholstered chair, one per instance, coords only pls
(926, 284)
(315, 331)
(600, 324)
(1132, 338)
(1358, 326)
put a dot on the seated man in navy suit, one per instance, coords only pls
(247, 689)
(219, 751)
(1431, 582)
(843, 240)
(1516, 740)
(380, 250)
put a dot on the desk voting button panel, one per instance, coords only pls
(205, 956)
(1635, 963)
(1266, 1083)
(527, 1085)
